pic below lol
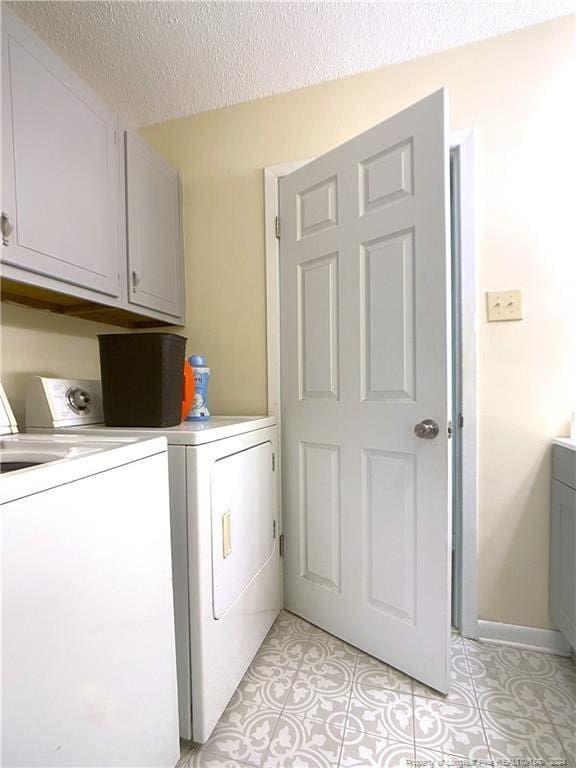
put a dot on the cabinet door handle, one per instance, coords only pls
(135, 279)
(6, 228)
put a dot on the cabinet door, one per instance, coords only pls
(60, 175)
(154, 232)
(563, 560)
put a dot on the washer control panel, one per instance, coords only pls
(55, 403)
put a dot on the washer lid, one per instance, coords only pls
(8, 425)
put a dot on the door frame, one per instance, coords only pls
(462, 145)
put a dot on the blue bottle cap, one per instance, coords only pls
(199, 360)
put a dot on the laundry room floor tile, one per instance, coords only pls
(461, 688)
(567, 738)
(430, 758)
(243, 734)
(299, 742)
(515, 737)
(511, 693)
(310, 700)
(360, 750)
(282, 650)
(451, 728)
(559, 702)
(329, 658)
(202, 759)
(371, 671)
(262, 689)
(491, 656)
(456, 638)
(381, 712)
(288, 623)
(544, 665)
(328, 702)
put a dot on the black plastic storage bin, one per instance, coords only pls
(142, 378)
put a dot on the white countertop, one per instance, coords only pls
(186, 433)
(567, 442)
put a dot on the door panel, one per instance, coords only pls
(318, 207)
(389, 535)
(318, 327)
(386, 177)
(365, 357)
(321, 514)
(387, 301)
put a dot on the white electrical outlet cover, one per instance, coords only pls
(504, 305)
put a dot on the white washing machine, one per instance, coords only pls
(86, 573)
(225, 538)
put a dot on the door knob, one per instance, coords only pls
(426, 429)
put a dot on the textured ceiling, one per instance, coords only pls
(155, 61)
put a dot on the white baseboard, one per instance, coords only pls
(530, 638)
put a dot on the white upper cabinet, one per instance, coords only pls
(91, 223)
(60, 170)
(155, 258)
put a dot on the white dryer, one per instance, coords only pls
(225, 538)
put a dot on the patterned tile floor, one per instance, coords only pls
(311, 701)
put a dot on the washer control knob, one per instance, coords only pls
(78, 399)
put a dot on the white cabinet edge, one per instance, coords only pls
(565, 442)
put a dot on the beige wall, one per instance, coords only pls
(517, 91)
(44, 343)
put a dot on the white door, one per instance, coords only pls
(155, 258)
(365, 312)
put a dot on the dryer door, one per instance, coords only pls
(242, 522)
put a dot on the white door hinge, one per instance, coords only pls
(274, 529)
(277, 226)
(115, 137)
(273, 462)
(450, 430)
(281, 545)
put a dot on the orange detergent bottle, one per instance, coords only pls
(188, 394)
